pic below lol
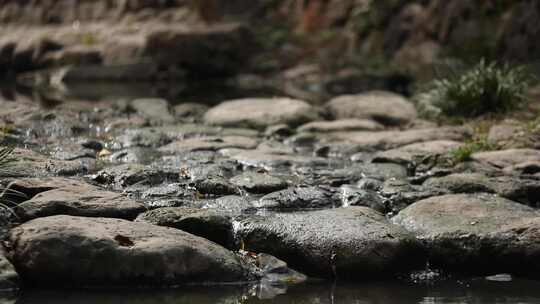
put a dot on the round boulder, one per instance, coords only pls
(473, 232)
(385, 107)
(355, 243)
(261, 112)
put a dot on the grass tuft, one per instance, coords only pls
(486, 88)
(6, 158)
(463, 153)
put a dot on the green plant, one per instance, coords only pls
(464, 152)
(88, 39)
(487, 87)
(6, 158)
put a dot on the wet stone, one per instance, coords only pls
(72, 151)
(215, 186)
(192, 111)
(417, 152)
(356, 196)
(182, 160)
(258, 182)
(261, 112)
(277, 271)
(263, 159)
(143, 137)
(134, 155)
(153, 109)
(385, 107)
(341, 125)
(209, 143)
(130, 174)
(23, 189)
(507, 158)
(104, 252)
(79, 200)
(352, 173)
(384, 171)
(385, 140)
(523, 190)
(399, 193)
(355, 243)
(232, 204)
(300, 198)
(504, 132)
(213, 225)
(31, 164)
(478, 233)
(168, 195)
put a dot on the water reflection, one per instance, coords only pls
(208, 92)
(479, 291)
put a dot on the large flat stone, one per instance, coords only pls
(209, 144)
(471, 233)
(507, 158)
(385, 140)
(356, 242)
(80, 200)
(82, 252)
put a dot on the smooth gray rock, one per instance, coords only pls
(125, 175)
(356, 196)
(193, 111)
(417, 152)
(471, 233)
(267, 160)
(214, 225)
(505, 132)
(104, 252)
(31, 164)
(512, 187)
(231, 204)
(215, 185)
(300, 198)
(154, 109)
(507, 158)
(341, 125)
(134, 155)
(79, 200)
(143, 137)
(399, 193)
(261, 112)
(209, 144)
(355, 243)
(258, 182)
(385, 140)
(385, 107)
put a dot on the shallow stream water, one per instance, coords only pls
(477, 291)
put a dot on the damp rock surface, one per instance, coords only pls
(338, 243)
(82, 251)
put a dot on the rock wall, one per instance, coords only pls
(66, 11)
(420, 30)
